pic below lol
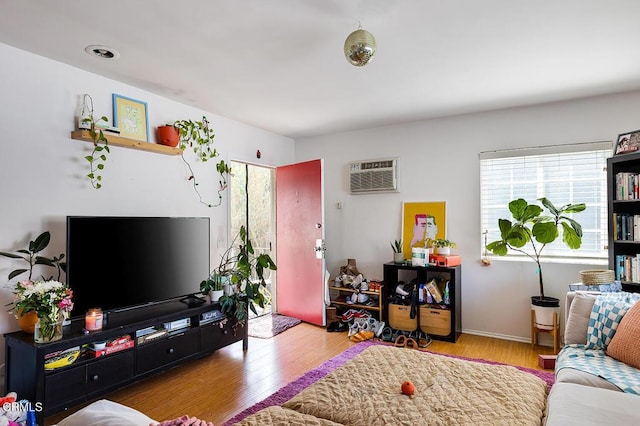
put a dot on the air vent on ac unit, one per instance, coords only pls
(373, 176)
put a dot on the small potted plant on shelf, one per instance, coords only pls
(245, 271)
(198, 136)
(168, 135)
(442, 247)
(213, 286)
(531, 227)
(398, 256)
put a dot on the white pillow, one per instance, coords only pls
(575, 331)
(107, 413)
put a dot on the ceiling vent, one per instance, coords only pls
(372, 176)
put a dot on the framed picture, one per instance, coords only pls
(627, 142)
(130, 116)
(421, 220)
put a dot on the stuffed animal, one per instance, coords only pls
(10, 415)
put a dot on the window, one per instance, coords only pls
(563, 174)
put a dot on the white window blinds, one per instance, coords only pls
(563, 174)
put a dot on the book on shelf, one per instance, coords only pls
(113, 346)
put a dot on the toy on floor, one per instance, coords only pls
(408, 388)
(9, 413)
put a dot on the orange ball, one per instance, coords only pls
(408, 388)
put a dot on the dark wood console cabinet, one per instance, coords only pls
(88, 378)
(424, 274)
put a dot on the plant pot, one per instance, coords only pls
(544, 309)
(27, 321)
(216, 295)
(398, 257)
(443, 251)
(168, 135)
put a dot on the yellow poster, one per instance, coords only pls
(421, 220)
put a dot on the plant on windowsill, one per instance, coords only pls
(245, 271)
(198, 136)
(531, 227)
(100, 143)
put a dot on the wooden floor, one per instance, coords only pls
(219, 386)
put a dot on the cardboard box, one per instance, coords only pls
(435, 291)
(452, 260)
(548, 362)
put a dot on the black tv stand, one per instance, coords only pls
(193, 301)
(90, 377)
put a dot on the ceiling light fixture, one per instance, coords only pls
(360, 47)
(104, 52)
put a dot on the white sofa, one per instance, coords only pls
(582, 398)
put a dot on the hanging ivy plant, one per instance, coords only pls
(100, 144)
(199, 137)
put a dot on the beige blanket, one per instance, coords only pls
(449, 391)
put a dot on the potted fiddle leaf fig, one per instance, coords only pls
(199, 137)
(530, 227)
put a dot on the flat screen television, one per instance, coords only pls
(118, 263)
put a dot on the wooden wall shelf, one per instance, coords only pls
(115, 140)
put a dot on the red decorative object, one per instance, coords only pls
(168, 135)
(258, 154)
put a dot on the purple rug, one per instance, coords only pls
(309, 378)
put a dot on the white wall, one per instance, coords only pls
(42, 170)
(438, 160)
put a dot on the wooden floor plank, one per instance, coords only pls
(219, 386)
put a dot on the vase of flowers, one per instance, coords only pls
(50, 300)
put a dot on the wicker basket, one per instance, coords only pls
(597, 276)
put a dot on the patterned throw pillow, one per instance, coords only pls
(608, 310)
(624, 345)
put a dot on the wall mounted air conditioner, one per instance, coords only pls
(372, 176)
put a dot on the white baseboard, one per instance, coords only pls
(503, 337)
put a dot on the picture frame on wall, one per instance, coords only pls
(627, 143)
(131, 117)
(422, 220)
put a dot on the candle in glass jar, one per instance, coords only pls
(93, 319)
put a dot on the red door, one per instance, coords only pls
(300, 224)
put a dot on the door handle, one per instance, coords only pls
(320, 248)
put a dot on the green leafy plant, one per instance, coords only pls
(530, 226)
(198, 136)
(441, 243)
(100, 145)
(246, 272)
(214, 282)
(30, 255)
(396, 246)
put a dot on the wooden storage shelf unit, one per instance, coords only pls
(442, 322)
(91, 377)
(624, 249)
(341, 301)
(115, 140)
